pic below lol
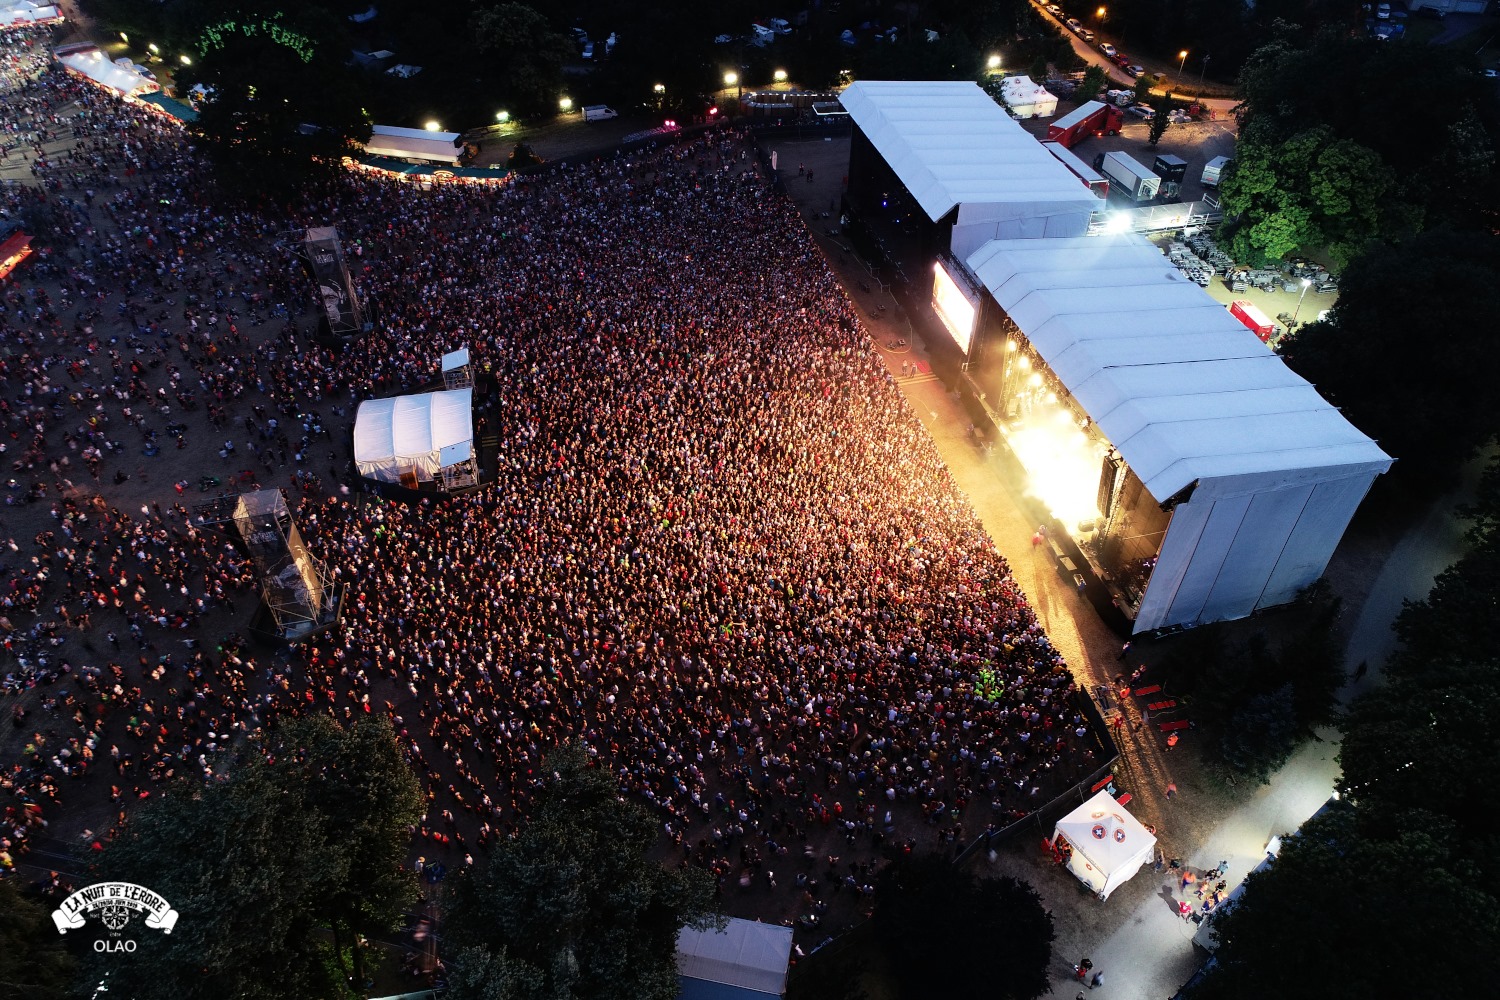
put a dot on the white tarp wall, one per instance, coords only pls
(746, 955)
(953, 146)
(414, 144)
(94, 64)
(1266, 472)
(1109, 844)
(1027, 98)
(402, 434)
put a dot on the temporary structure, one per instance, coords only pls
(407, 437)
(747, 960)
(1027, 98)
(1109, 845)
(414, 144)
(92, 64)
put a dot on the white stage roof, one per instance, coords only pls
(746, 954)
(1179, 386)
(951, 144)
(420, 434)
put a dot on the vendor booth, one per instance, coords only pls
(1104, 845)
(407, 439)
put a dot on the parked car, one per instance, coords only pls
(1054, 10)
(1086, 35)
(1383, 11)
(1120, 59)
(1145, 112)
(1431, 13)
(1109, 50)
(1136, 70)
(1074, 24)
(1492, 73)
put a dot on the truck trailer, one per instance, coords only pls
(1093, 118)
(1257, 322)
(1091, 178)
(1127, 177)
(1214, 169)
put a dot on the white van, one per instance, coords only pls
(598, 112)
(761, 35)
(779, 25)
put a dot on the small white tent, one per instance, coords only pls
(413, 435)
(1027, 98)
(1109, 845)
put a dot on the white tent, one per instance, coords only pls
(1262, 475)
(414, 144)
(954, 147)
(20, 12)
(747, 959)
(88, 61)
(413, 435)
(1027, 98)
(1109, 844)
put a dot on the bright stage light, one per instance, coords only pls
(1062, 462)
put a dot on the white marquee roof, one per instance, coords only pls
(422, 433)
(1179, 386)
(746, 954)
(951, 144)
(1109, 844)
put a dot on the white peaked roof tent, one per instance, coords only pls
(417, 434)
(1109, 844)
(89, 61)
(747, 960)
(413, 143)
(1267, 473)
(1028, 98)
(954, 147)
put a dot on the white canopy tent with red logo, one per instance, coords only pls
(1109, 845)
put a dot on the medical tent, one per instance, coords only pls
(413, 436)
(747, 960)
(1027, 98)
(1108, 844)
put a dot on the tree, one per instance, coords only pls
(529, 53)
(305, 834)
(1160, 121)
(522, 156)
(1425, 399)
(573, 906)
(281, 106)
(1094, 82)
(1350, 908)
(1313, 189)
(948, 933)
(33, 962)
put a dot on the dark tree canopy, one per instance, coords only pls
(573, 906)
(1407, 352)
(948, 933)
(305, 834)
(33, 962)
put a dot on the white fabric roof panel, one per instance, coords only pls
(745, 954)
(951, 144)
(402, 433)
(1181, 388)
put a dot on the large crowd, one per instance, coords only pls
(719, 550)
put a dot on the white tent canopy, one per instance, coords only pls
(748, 957)
(953, 146)
(90, 62)
(1027, 98)
(413, 144)
(16, 12)
(1109, 844)
(417, 434)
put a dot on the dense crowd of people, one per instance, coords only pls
(719, 550)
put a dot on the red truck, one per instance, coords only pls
(1093, 118)
(1249, 314)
